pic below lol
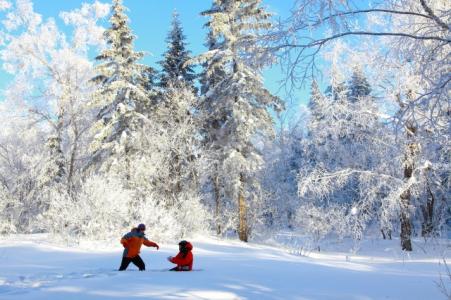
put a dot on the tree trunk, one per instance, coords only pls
(427, 227)
(57, 150)
(406, 225)
(217, 204)
(242, 213)
(73, 155)
(127, 164)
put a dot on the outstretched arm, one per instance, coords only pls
(150, 244)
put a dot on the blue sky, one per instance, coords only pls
(150, 21)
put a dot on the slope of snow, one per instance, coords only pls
(34, 269)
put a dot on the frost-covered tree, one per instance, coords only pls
(121, 96)
(177, 114)
(164, 169)
(235, 108)
(148, 79)
(176, 108)
(212, 74)
(358, 86)
(284, 158)
(316, 102)
(346, 169)
(406, 44)
(51, 72)
(174, 67)
(51, 87)
(22, 149)
(8, 210)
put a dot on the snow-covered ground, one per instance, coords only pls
(31, 268)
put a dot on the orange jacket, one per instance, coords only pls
(183, 260)
(133, 241)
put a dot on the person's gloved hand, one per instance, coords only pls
(158, 247)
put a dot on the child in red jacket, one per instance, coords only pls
(184, 259)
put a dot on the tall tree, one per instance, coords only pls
(177, 118)
(345, 175)
(212, 74)
(121, 96)
(407, 44)
(236, 106)
(316, 102)
(174, 67)
(52, 73)
(358, 86)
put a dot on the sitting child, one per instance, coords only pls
(184, 259)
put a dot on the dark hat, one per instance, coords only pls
(185, 246)
(141, 227)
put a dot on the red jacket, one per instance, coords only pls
(133, 241)
(183, 260)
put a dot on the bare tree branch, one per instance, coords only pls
(343, 34)
(363, 11)
(433, 16)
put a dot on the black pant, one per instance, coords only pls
(137, 261)
(182, 268)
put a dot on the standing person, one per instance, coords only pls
(184, 259)
(132, 243)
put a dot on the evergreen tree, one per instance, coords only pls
(121, 95)
(358, 86)
(213, 72)
(235, 108)
(316, 103)
(147, 80)
(174, 67)
(212, 75)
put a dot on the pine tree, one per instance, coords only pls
(121, 95)
(358, 86)
(336, 92)
(212, 75)
(174, 67)
(213, 72)
(316, 103)
(235, 107)
(147, 80)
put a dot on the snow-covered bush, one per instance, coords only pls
(104, 210)
(164, 223)
(8, 209)
(319, 222)
(100, 210)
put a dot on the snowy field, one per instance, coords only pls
(34, 269)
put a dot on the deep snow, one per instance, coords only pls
(34, 269)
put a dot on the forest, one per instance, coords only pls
(94, 141)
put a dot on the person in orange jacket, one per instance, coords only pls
(184, 259)
(132, 243)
